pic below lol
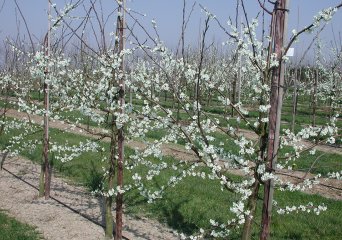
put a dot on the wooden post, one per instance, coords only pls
(121, 137)
(276, 99)
(47, 170)
(240, 71)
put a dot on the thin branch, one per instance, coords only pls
(262, 5)
(2, 6)
(26, 26)
(308, 28)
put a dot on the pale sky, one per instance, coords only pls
(168, 15)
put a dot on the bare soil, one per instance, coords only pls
(72, 213)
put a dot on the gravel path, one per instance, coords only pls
(75, 215)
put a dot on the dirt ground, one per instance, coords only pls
(73, 213)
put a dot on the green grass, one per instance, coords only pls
(188, 206)
(320, 162)
(326, 162)
(192, 203)
(11, 229)
(8, 105)
(75, 115)
(307, 225)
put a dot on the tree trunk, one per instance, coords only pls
(252, 201)
(47, 170)
(119, 197)
(332, 97)
(294, 102)
(233, 98)
(251, 206)
(314, 99)
(109, 218)
(109, 225)
(41, 179)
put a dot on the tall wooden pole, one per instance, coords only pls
(47, 108)
(121, 137)
(240, 71)
(276, 98)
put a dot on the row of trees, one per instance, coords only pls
(92, 84)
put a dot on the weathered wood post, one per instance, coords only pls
(276, 99)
